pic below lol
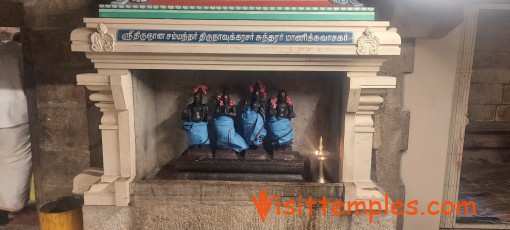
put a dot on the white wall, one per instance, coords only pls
(428, 95)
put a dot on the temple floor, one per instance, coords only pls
(488, 185)
(28, 219)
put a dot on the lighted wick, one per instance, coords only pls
(321, 156)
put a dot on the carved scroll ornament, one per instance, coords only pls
(368, 43)
(102, 41)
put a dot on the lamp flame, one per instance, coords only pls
(321, 147)
(321, 156)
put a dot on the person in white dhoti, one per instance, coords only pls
(15, 153)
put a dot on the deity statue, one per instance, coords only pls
(196, 117)
(253, 118)
(228, 139)
(279, 124)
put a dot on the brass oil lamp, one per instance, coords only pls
(321, 155)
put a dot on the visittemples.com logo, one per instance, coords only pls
(300, 205)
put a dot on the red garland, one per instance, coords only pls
(273, 102)
(262, 88)
(220, 99)
(289, 101)
(202, 87)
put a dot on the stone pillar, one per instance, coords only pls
(10, 14)
(113, 95)
(100, 84)
(57, 107)
(364, 96)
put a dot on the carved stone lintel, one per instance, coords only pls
(368, 43)
(102, 41)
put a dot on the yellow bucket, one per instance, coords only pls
(62, 214)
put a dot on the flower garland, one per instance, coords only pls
(274, 101)
(262, 88)
(221, 101)
(200, 87)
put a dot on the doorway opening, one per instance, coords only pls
(477, 159)
(485, 171)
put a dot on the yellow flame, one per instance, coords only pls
(321, 147)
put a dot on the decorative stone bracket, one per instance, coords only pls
(364, 98)
(113, 96)
(361, 60)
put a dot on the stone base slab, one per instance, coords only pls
(160, 204)
(239, 176)
(225, 154)
(295, 166)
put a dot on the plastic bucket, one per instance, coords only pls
(62, 214)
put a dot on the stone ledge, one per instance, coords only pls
(235, 217)
(221, 217)
(488, 127)
(160, 192)
(173, 204)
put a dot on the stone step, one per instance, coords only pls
(274, 177)
(164, 192)
(494, 155)
(484, 126)
(487, 140)
(242, 166)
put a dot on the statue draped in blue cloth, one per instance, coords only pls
(224, 124)
(254, 120)
(195, 121)
(253, 116)
(279, 125)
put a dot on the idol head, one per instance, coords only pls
(197, 97)
(282, 95)
(226, 95)
(256, 87)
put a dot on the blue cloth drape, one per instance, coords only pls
(281, 130)
(227, 136)
(253, 127)
(197, 132)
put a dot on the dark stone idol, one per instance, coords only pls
(229, 142)
(253, 119)
(279, 124)
(196, 116)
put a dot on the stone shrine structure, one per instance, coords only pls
(126, 52)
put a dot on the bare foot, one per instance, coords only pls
(12, 215)
(17, 214)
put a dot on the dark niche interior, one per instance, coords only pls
(161, 97)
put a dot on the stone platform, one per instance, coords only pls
(238, 169)
(174, 204)
(240, 176)
(295, 166)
